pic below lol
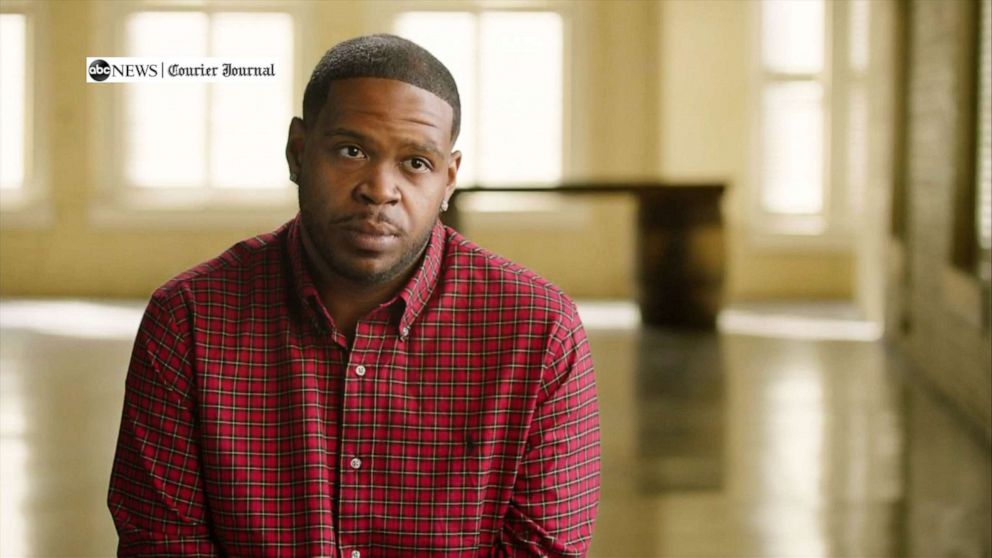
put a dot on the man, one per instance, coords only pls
(363, 381)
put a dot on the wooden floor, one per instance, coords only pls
(791, 433)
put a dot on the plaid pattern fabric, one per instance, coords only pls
(461, 422)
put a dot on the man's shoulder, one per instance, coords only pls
(492, 279)
(234, 271)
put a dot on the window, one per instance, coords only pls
(13, 98)
(182, 149)
(970, 234)
(792, 111)
(509, 69)
(23, 104)
(207, 136)
(812, 117)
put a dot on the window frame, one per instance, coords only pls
(983, 139)
(831, 229)
(965, 284)
(119, 204)
(30, 206)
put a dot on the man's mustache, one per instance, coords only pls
(378, 219)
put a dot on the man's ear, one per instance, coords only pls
(453, 163)
(295, 143)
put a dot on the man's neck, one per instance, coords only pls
(346, 300)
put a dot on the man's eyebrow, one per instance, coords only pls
(345, 132)
(428, 147)
(425, 148)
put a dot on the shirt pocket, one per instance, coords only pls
(435, 467)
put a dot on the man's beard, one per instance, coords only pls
(317, 229)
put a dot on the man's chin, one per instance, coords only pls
(367, 273)
(365, 268)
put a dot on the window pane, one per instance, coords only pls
(165, 135)
(13, 44)
(792, 35)
(167, 34)
(521, 91)
(792, 148)
(248, 121)
(451, 37)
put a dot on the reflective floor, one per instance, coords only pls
(784, 435)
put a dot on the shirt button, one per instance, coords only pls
(356, 554)
(404, 332)
(356, 463)
(360, 370)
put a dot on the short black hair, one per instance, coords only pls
(381, 56)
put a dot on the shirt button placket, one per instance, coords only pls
(355, 426)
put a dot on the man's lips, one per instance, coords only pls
(373, 236)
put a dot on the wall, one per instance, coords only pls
(72, 256)
(657, 91)
(933, 311)
(588, 248)
(885, 122)
(705, 52)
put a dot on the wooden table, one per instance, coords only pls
(680, 244)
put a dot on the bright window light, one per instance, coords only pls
(164, 124)
(249, 121)
(451, 36)
(792, 148)
(209, 135)
(793, 111)
(13, 81)
(508, 66)
(521, 86)
(792, 35)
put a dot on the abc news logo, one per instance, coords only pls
(146, 69)
(101, 70)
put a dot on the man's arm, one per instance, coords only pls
(556, 493)
(156, 492)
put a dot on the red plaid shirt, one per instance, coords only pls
(461, 422)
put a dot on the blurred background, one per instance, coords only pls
(774, 215)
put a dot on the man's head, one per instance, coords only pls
(373, 157)
(381, 56)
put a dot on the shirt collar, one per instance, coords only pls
(306, 289)
(420, 287)
(414, 295)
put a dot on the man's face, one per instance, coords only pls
(373, 171)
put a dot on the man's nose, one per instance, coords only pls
(380, 186)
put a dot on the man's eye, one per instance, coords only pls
(351, 152)
(417, 164)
